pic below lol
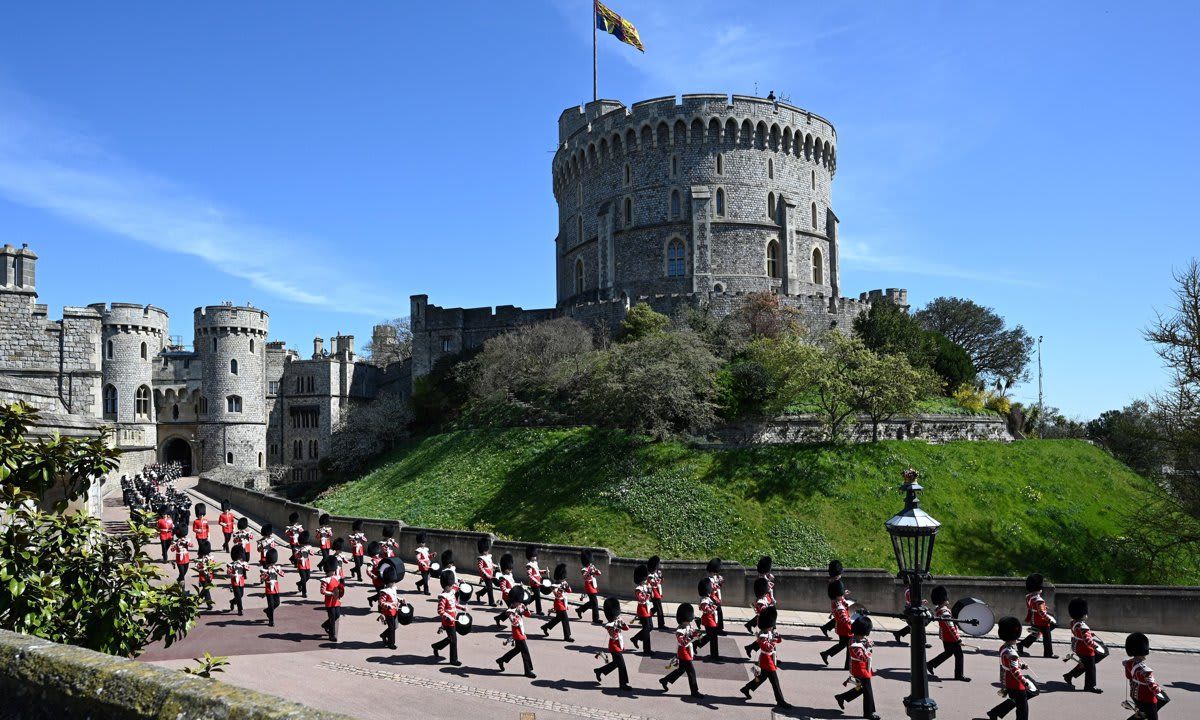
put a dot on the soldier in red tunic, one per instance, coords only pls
(641, 594)
(505, 581)
(390, 604)
(325, 535)
(768, 668)
(1014, 685)
(1041, 622)
(717, 582)
(709, 620)
(561, 588)
(358, 547)
(948, 631)
(615, 627)
(292, 533)
(266, 542)
(764, 573)
(487, 571)
(423, 563)
(1084, 645)
(762, 601)
(517, 612)
(206, 571)
(200, 524)
(391, 548)
(447, 610)
(591, 586)
(861, 671)
(271, 576)
(841, 618)
(332, 591)
(166, 530)
(655, 581)
(533, 572)
(304, 558)
(226, 520)
(835, 575)
(244, 537)
(375, 552)
(1145, 694)
(236, 571)
(181, 552)
(685, 637)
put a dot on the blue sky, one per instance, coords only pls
(325, 161)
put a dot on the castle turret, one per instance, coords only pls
(131, 338)
(231, 344)
(17, 274)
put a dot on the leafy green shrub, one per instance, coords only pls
(970, 397)
(642, 321)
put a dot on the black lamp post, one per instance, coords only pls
(913, 531)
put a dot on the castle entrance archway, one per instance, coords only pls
(178, 450)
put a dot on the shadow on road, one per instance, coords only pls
(292, 636)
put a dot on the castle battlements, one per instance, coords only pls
(133, 317)
(228, 317)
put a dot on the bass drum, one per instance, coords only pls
(405, 614)
(463, 623)
(977, 616)
(547, 586)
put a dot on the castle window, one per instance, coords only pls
(627, 174)
(676, 209)
(770, 168)
(814, 179)
(110, 402)
(273, 387)
(578, 276)
(252, 345)
(274, 449)
(720, 202)
(260, 459)
(299, 384)
(297, 450)
(143, 351)
(720, 164)
(214, 345)
(311, 382)
(203, 405)
(228, 458)
(676, 254)
(628, 212)
(771, 205)
(314, 448)
(580, 193)
(445, 344)
(773, 259)
(233, 403)
(175, 411)
(141, 404)
(108, 350)
(233, 366)
(674, 165)
(817, 270)
(814, 215)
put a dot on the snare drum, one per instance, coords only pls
(546, 586)
(435, 569)
(465, 592)
(463, 623)
(404, 615)
(976, 610)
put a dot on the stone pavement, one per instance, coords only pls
(359, 677)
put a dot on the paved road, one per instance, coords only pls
(357, 676)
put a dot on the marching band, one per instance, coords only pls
(853, 624)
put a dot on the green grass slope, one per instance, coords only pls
(1057, 506)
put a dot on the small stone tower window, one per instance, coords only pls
(814, 179)
(203, 405)
(143, 351)
(720, 202)
(628, 212)
(720, 164)
(108, 350)
(674, 166)
(773, 259)
(676, 255)
(233, 368)
(228, 458)
(110, 401)
(578, 275)
(770, 168)
(627, 174)
(771, 205)
(676, 207)
(175, 411)
(580, 194)
(817, 270)
(214, 345)
(142, 402)
(260, 459)
(251, 345)
(814, 216)
(233, 403)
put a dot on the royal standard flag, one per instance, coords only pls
(615, 25)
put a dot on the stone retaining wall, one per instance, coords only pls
(43, 680)
(932, 428)
(1167, 610)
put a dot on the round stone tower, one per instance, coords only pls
(706, 194)
(131, 338)
(231, 343)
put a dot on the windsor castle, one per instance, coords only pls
(692, 202)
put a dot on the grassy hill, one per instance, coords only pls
(1055, 506)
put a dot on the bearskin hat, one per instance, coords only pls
(714, 566)
(862, 625)
(1077, 608)
(654, 563)
(237, 552)
(768, 618)
(764, 564)
(560, 572)
(1137, 644)
(324, 519)
(685, 613)
(939, 594)
(704, 587)
(201, 509)
(1035, 582)
(835, 568)
(612, 608)
(271, 556)
(1009, 628)
(585, 557)
(506, 562)
(356, 526)
(483, 544)
(640, 573)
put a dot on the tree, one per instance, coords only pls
(820, 376)
(662, 384)
(1131, 435)
(62, 577)
(996, 352)
(764, 315)
(368, 430)
(642, 321)
(951, 362)
(884, 386)
(393, 349)
(888, 329)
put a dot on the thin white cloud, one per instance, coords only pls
(46, 165)
(865, 255)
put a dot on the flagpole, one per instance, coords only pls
(595, 96)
